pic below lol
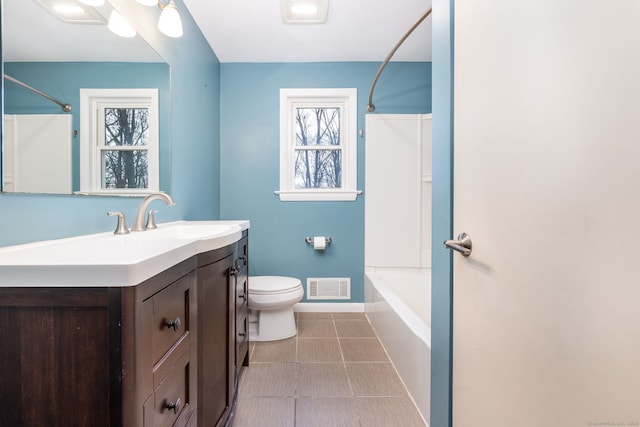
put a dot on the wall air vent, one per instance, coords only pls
(328, 288)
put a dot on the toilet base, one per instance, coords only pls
(272, 325)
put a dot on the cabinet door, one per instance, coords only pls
(214, 311)
(55, 357)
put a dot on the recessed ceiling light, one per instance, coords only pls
(304, 11)
(72, 12)
(68, 9)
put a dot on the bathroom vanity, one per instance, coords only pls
(161, 345)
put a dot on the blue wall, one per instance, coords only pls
(250, 169)
(63, 81)
(441, 289)
(195, 155)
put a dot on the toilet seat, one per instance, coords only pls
(272, 285)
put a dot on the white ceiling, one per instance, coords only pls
(237, 30)
(356, 30)
(29, 33)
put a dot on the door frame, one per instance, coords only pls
(442, 205)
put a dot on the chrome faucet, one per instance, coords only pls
(139, 225)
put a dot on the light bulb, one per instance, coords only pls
(304, 9)
(119, 26)
(169, 23)
(68, 10)
(94, 3)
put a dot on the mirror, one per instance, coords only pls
(58, 59)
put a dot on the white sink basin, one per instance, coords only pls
(189, 230)
(102, 250)
(106, 259)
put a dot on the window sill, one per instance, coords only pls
(316, 196)
(143, 193)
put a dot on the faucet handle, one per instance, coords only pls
(151, 221)
(121, 228)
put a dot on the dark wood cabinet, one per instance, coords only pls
(162, 353)
(241, 277)
(55, 364)
(214, 316)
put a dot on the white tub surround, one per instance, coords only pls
(106, 259)
(397, 226)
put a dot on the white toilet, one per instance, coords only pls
(271, 301)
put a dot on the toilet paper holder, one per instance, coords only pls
(309, 240)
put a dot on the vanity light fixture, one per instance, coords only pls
(304, 11)
(118, 25)
(92, 3)
(169, 23)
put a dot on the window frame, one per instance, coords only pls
(91, 100)
(346, 99)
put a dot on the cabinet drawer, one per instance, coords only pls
(242, 338)
(170, 319)
(170, 401)
(242, 289)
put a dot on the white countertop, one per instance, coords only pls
(106, 259)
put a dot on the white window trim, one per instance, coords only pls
(90, 168)
(347, 100)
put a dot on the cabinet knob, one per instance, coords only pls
(233, 271)
(241, 334)
(175, 406)
(175, 324)
(242, 296)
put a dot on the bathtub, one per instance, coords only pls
(398, 305)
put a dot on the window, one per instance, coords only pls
(318, 151)
(119, 141)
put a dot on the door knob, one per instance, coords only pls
(462, 244)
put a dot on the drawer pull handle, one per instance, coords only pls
(175, 324)
(233, 271)
(175, 406)
(241, 296)
(241, 334)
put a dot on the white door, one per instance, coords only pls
(547, 184)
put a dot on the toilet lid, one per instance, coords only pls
(272, 284)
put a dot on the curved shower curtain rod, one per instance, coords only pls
(370, 106)
(65, 107)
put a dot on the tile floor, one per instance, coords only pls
(333, 373)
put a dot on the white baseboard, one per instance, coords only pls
(329, 307)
